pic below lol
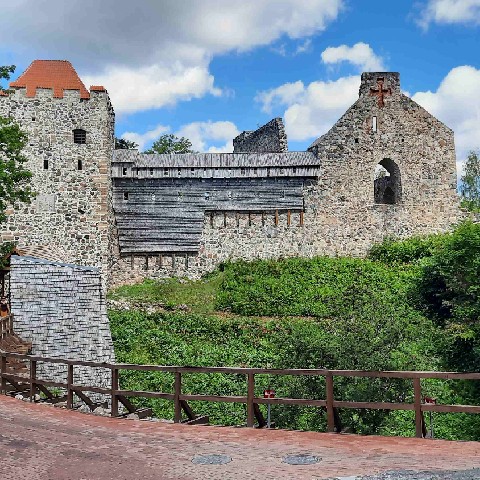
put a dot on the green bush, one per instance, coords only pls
(392, 251)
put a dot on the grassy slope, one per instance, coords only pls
(362, 319)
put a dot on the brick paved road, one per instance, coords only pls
(39, 442)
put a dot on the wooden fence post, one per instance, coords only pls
(417, 389)
(329, 400)
(33, 377)
(250, 397)
(114, 398)
(3, 371)
(69, 386)
(176, 400)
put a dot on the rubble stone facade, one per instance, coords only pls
(386, 168)
(72, 211)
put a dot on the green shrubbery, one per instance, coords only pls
(414, 305)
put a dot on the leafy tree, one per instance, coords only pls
(14, 178)
(5, 72)
(169, 143)
(123, 144)
(470, 183)
(450, 293)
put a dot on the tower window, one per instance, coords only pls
(165, 172)
(151, 171)
(45, 164)
(125, 195)
(124, 171)
(374, 124)
(79, 136)
(79, 165)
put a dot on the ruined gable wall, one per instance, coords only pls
(72, 211)
(421, 146)
(270, 137)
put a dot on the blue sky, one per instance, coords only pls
(208, 70)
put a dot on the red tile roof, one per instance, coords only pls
(97, 88)
(58, 75)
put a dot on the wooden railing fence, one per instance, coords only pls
(330, 403)
(6, 326)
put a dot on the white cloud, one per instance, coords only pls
(149, 46)
(154, 87)
(450, 11)
(143, 138)
(457, 104)
(314, 108)
(205, 136)
(285, 94)
(360, 55)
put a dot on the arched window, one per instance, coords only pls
(388, 183)
(79, 136)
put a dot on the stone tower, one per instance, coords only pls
(70, 146)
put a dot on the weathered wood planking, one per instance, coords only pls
(160, 215)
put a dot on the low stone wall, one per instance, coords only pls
(61, 309)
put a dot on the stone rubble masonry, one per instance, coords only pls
(72, 211)
(61, 309)
(270, 137)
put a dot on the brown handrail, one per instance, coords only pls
(330, 403)
(6, 326)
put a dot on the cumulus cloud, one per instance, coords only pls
(285, 94)
(161, 41)
(450, 11)
(142, 139)
(360, 55)
(457, 104)
(155, 86)
(205, 136)
(311, 109)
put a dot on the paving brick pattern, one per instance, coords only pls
(39, 442)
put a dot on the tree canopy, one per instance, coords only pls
(470, 183)
(169, 143)
(124, 144)
(14, 177)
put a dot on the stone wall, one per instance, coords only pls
(270, 137)
(61, 309)
(72, 211)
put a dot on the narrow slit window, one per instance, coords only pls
(374, 124)
(151, 171)
(45, 164)
(124, 171)
(165, 172)
(79, 136)
(125, 195)
(79, 165)
(179, 172)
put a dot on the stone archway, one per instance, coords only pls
(387, 183)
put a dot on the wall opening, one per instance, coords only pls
(79, 165)
(387, 183)
(79, 136)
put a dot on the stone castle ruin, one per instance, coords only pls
(386, 168)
